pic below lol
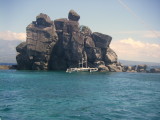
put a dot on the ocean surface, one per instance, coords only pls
(31, 95)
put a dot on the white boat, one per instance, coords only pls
(81, 68)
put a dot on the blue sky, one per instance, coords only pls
(132, 40)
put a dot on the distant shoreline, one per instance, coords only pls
(130, 62)
(155, 69)
(8, 66)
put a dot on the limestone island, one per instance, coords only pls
(62, 44)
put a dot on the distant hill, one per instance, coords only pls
(127, 62)
(8, 51)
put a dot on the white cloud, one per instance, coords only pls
(131, 49)
(8, 35)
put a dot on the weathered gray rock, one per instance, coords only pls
(43, 20)
(111, 56)
(60, 24)
(134, 67)
(71, 26)
(73, 15)
(101, 66)
(141, 68)
(89, 42)
(101, 40)
(23, 62)
(39, 66)
(155, 70)
(69, 49)
(97, 54)
(93, 54)
(114, 68)
(77, 46)
(119, 64)
(129, 68)
(64, 25)
(86, 31)
(22, 47)
(62, 44)
(41, 38)
(124, 68)
(40, 35)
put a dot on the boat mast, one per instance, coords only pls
(79, 64)
(86, 64)
(82, 62)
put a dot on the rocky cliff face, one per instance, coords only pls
(62, 43)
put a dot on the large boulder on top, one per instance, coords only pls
(72, 15)
(43, 20)
(101, 40)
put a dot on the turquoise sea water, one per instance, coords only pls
(28, 95)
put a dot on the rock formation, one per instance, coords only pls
(35, 53)
(155, 70)
(135, 68)
(62, 43)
